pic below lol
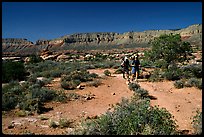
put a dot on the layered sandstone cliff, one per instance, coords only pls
(192, 34)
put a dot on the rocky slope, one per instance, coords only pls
(193, 34)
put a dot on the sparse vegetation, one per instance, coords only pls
(63, 122)
(194, 82)
(197, 123)
(94, 83)
(132, 117)
(179, 84)
(107, 72)
(53, 124)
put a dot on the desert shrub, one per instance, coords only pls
(104, 64)
(93, 75)
(43, 69)
(70, 85)
(133, 117)
(94, 83)
(11, 94)
(116, 66)
(172, 74)
(13, 71)
(161, 64)
(90, 66)
(32, 78)
(156, 75)
(72, 80)
(32, 105)
(146, 63)
(192, 70)
(142, 92)
(118, 71)
(56, 73)
(179, 84)
(194, 82)
(197, 123)
(61, 97)
(169, 48)
(64, 122)
(35, 59)
(21, 113)
(73, 96)
(9, 101)
(43, 117)
(53, 124)
(107, 72)
(43, 82)
(83, 76)
(133, 86)
(43, 94)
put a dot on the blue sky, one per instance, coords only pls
(49, 20)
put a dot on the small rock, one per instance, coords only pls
(113, 93)
(44, 126)
(78, 87)
(10, 126)
(92, 117)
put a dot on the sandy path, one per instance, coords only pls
(108, 93)
(181, 103)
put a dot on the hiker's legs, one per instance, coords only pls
(133, 76)
(123, 74)
(137, 75)
(123, 71)
(127, 75)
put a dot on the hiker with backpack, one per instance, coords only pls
(135, 64)
(125, 65)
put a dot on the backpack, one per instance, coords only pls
(136, 63)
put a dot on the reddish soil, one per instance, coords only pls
(182, 103)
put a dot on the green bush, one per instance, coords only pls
(197, 123)
(13, 71)
(194, 82)
(133, 86)
(179, 84)
(21, 113)
(43, 94)
(35, 59)
(172, 74)
(9, 101)
(118, 71)
(142, 92)
(53, 124)
(64, 122)
(70, 85)
(168, 48)
(94, 83)
(73, 96)
(93, 75)
(192, 70)
(156, 75)
(32, 105)
(61, 97)
(11, 94)
(135, 117)
(107, 72)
